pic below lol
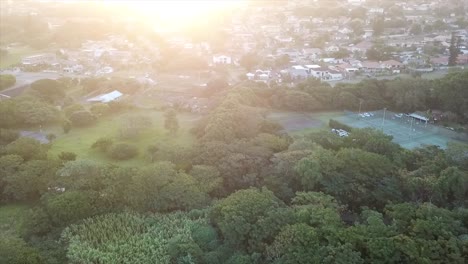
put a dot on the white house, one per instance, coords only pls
(320, 72)
(334, 75)
(332, 48)
(222, 59)
(299, 72)
(312, 66)
(105, 98)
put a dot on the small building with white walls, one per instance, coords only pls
(222, 59)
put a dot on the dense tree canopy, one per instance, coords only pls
(244, 191)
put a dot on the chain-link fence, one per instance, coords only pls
(408, 131)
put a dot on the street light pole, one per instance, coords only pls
(360, 104)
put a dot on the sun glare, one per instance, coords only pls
(182, 12)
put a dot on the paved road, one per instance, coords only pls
(24, 79)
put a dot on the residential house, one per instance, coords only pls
(341, 36)
(345, 30)
(299, 72)
(368, 33)
(371, 66)
(334, 75)
(361, 46)
(292, 53)
(321, 73)
(312, 53)
(462, 59)
(332, 48)
(222, 59)
(440, 61)
(346, 68)
(392, 65)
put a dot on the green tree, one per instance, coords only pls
(69, 206)
(416, 29)
(378, 25)
(103, 144)
(15, 251)
(100, 109)
(453, 50)
(8, 135)
(30, 181)
(133, 238)
(122, 151)
(48, 89)
(453, 186)
(249, 61)
(69, 110)
(82, 118)
(31, 111)
(240, 215)
(9, 165)
(171, 123)
(160, 188)
(208, 178)
(67, 156)
(66, 126)
(27, 148)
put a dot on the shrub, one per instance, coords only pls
(6, 80)
(103, 144)
(100, 109)
(8, 136)
(67, 156)
(69, 110)
(338, 125)
(51, 137)
(66, 126)
(122, 151)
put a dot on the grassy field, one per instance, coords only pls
(79, 140)
(297, 123)
(15, 55)
(10, 219)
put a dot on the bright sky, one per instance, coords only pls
(180, 12)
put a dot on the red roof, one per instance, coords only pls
(440, 60)
(392, 63)
(371, 64)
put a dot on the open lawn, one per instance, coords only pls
(298, 123)
(79, 140)
(15, 55)
(11, 217)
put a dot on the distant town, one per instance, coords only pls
(282, 43)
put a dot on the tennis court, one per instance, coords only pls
(407, 131)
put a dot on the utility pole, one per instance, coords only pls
(360, 104)
(383, 118)
(411, 127)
